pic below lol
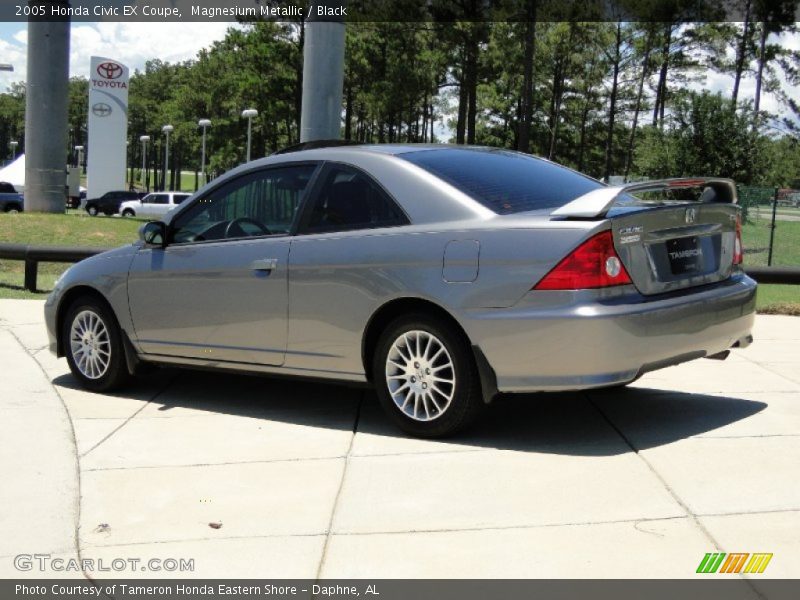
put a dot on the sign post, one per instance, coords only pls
(108, 126)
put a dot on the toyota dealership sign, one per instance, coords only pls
(108, 126)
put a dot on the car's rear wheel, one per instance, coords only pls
(93, 345)
(128, 213)
(12, 208)
(92, 210)
(425, 377)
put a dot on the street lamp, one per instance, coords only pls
(167, 129)
(144, 139)
(249, 114)
(79, 150)
(204, 124)
(14, 149)
(6, 67)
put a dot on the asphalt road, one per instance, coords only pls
(256, 477)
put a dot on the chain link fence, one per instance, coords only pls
(771, 228)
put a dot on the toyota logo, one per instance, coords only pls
(101, 109)
(691, 215)
(109, 70)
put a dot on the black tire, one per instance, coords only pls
(128, 213)
(467, 401)
(92, 210)
(116, 373)
(13, 208)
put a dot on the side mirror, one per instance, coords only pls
(153, 233)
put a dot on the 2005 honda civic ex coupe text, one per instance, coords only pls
(442, 275)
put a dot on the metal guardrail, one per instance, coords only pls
(33, 255)
(783, 275)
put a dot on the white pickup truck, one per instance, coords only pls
(152, 206)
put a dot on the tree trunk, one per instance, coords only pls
(555, 108)
(741, 51)
(587, 97)
(461, 122)
(661, 90)
(348, 113)
(637, 110)
(612, 108)
(472, 86)
(760, 74)
(523, 137)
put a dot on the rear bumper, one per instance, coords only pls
(580, 340)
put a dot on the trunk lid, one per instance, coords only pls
(674, 247)
(681, 234)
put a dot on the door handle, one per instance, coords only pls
(264, 264)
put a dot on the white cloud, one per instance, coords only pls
(130, 43)
(136, 43)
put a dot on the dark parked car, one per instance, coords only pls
(109, 202)
(10, 198)
(75, 201)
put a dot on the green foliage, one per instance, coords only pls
(703, 136)
(605, 98)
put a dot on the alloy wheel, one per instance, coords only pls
(420, 375)
(90, 344)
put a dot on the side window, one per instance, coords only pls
(159, 199)
(178, 198)
(349, 199)
(257, 203)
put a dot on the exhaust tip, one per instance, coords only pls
(719, 355)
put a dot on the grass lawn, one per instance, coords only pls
(778, 299)
(78, 229)
(56, 230)
(786, 248)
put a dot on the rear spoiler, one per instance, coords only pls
(596, 203)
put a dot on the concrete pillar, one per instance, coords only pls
(323, 75)
(47, 98)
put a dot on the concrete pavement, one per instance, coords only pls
(256, 477)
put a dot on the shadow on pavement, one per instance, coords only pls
(587, 424)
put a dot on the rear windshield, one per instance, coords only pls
(505, 182)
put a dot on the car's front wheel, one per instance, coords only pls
(92, 210)
(93, 345)
(128, 213)
(425, 376)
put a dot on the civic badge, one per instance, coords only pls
(691, 215)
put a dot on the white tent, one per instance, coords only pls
(15, 173)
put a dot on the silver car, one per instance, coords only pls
(441, 275)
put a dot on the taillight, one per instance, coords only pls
(593, 264)
(738, 252)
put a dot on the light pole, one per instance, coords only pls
(167, 129)
(13, 145)
(249, 114)
(204, 124)
(144, 139)
(79, 150)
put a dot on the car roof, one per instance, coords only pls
(394, 149)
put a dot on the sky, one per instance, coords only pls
(135, 43)
(130, 43)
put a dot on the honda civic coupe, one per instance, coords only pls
(440, 275)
